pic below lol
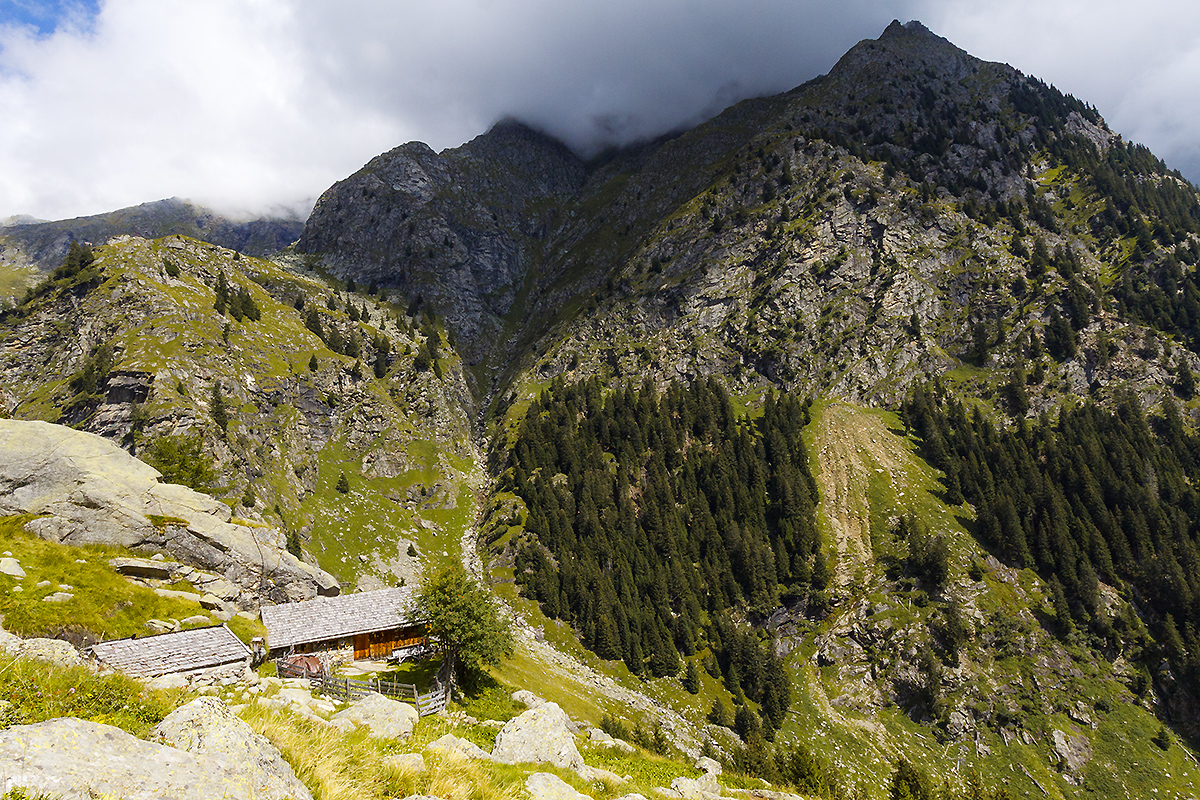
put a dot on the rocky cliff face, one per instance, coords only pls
(459, 229)
(914, 211)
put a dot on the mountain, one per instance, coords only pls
(30, 248)
(265, 403)
(803, 239)
(859, 420)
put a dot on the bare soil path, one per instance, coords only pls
(853, 447)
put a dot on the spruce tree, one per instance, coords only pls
(222, 293)
(1185, 381)
(721, 714)
(312, 321)
(217, 408)
(691, 679)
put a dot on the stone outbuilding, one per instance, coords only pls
(210, 650)
(377, 624)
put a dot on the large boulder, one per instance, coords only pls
(74, 759)
(207, 727)
(384, 717)
(541, 735)
(92, 492)
(527, 697)
(451, 745)
(546, 786)
(55, 651)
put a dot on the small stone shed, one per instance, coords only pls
(375, 624)
(197, 651)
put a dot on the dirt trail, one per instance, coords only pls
(852, 447)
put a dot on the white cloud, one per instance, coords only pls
(249, 103)
(1138, 64)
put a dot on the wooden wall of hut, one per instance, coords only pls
(380, 644)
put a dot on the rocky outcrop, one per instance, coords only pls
(459, 229)
(527, 697)
(92, 492)
(540, 735)
(55, 651)
(453, 745)
(74, 759)
(546, 786)
(383, 717)
(602, 738)
(208, 729)
(1072, 749)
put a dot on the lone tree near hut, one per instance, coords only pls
(461, 616)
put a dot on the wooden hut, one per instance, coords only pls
(377, 624)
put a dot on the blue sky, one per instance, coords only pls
(45, 16)
(254, 105)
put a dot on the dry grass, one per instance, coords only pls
(353, 766)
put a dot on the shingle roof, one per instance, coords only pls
(164, 653)
(324, 618)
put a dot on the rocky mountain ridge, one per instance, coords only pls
(852, 236)
(31, 248)
(134, 349)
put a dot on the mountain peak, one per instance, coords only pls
(912, 28)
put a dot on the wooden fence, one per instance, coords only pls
(350, 689)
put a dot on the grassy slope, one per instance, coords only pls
(104, 606)
(1124, 764)
(174, 333)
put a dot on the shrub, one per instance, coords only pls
(181, 459)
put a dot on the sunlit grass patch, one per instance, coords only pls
(39, 691)
(103, 605)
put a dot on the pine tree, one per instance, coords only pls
(423, 358)
(691, 679)
(312, 321)
(312, 363)
(222, 293)
(217, 408)
(1185, 381)
(1062, 609)
(343, 484)
(909, 783)
(721, 714)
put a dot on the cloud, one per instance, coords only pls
(248, 104)
(1139, 65)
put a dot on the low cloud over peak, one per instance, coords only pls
(253, 105)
